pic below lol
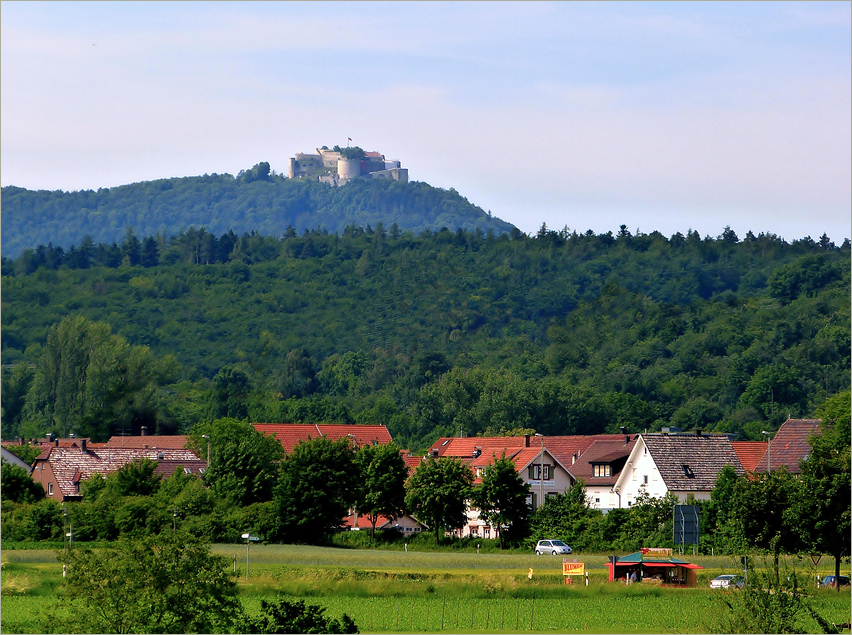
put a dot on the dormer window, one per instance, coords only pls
(688, 471)
(601, 470)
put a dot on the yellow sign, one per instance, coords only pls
(656, 552)
(573, 568)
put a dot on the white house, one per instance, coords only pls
(683, 464)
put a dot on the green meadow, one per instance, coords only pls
(453, 592)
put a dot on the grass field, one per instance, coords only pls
(394, 591)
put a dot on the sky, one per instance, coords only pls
(661, 116)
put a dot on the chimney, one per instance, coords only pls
(82, 445)
(144, 431)
(573, 458)
(56, 443)
(477, 452)
(526, 440)
(698, 433)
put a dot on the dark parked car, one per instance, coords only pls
(829, 581)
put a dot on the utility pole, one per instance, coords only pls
(768, 449)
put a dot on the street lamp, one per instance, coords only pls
(541, 471)
(207, 436)
(768, 449)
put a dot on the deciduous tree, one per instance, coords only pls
(243, 462)
(437, 493)
(502, 498)
(381, 482)
(316, 487)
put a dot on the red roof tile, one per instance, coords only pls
(790, 445)
(176, 441)
(749, 453)
(291, 434)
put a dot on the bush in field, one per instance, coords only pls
(771, 602)
(156, 584)
(284, 616)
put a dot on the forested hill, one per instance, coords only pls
(254, 201)
(430, 333)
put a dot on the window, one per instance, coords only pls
(597, 500)
(602, 469)
(50, 489)
(645, 479)
(186, 470)
(546, 472)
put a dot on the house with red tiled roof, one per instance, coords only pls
(543, 472)
(405, 524)
(789, 446)
(61, 469)
(291, 434)
(749, 453)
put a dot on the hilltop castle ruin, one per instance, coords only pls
(340, 165)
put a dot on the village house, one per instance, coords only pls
(405, 524)
(60, 469)
(680, 463)
(600, 466)
(544, 473)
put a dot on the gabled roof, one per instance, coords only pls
(689, 462)
(569, 449)
(612, 451)
(790, 445)
(291, 434)
(464, 447)
(749, 453)
(10, 457)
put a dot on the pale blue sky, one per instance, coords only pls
(662, 116)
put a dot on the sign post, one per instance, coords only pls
(249, 539)
(571, 569)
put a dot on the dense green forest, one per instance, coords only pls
(432, 333)
(256, 200)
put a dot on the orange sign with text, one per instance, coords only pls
(573, 568)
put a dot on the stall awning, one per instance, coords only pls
(658, 564)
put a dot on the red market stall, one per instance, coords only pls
(653, 566)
